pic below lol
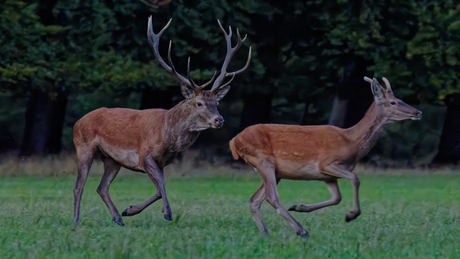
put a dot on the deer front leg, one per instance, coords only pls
(333, 187)
(341, 171)
(254, 204)
(157, 176)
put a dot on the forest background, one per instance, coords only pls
(60, 59)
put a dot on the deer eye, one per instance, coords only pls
(199, 104)
(393, 103)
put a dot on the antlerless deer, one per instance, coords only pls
(148, 140)
(323, 153)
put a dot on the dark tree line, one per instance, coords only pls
(309, 58)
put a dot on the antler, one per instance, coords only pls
(367, 79)
(154, 40)
(230, 52)
(387, 84)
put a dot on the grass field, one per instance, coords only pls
(411, 216)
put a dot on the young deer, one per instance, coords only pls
(323, 153)
(148, 140)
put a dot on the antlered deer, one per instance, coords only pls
(148, 140)
(323, 153)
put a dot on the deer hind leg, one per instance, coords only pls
(157, 176)
(111, 169)
(267, 170)
(136, 209)
(341, 171)
(85, 160)
(333, 187)
(254, 204)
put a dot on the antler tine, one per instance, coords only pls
(245, 66)
(230, 52)
(190, 76)
(193, 84)
(154, 40)
(387, 84)
(224, 85)
(367, 79)
(173, 68)
(203, 86)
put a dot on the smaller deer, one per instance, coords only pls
(322, 153)
(148, 140)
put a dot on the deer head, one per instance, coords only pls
(202, 103)
(389, 105)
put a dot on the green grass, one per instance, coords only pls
(403, 216)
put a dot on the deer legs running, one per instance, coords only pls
(268, 191)
(157, 176)
(84, 165)
(136, 209)
(254, 204)
(268, 187)
(341, 171)
(338, 171)
(111, 169)
(333, 187)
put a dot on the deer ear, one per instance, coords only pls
(186, 90)
(221, 92)
(376, 89)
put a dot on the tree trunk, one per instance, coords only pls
(354, 96)
(56, 124)
(449, 146)
(44, 116)
(256, 109)
(44, 123)
(339, 112)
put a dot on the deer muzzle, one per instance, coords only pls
(417, 116)
(217, 122)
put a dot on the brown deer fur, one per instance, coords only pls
(324, 153)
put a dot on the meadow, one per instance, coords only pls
(410, 215)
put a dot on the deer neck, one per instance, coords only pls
(177, 128)
(366, 133)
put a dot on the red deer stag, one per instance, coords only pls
(148, 140)
(323, 153)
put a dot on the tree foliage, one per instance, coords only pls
(303, 51)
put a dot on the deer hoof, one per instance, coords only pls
(125, 213)
(168, 217)
(304, 234)
(119, 222)
(74, 225)
(351, 216)
(293, 208)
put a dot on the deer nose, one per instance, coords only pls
(418, 113)
(219, 121)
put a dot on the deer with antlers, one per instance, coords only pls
(322, 153)
(148, 140)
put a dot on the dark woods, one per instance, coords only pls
(62, 58)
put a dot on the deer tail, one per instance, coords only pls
(233, 149)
